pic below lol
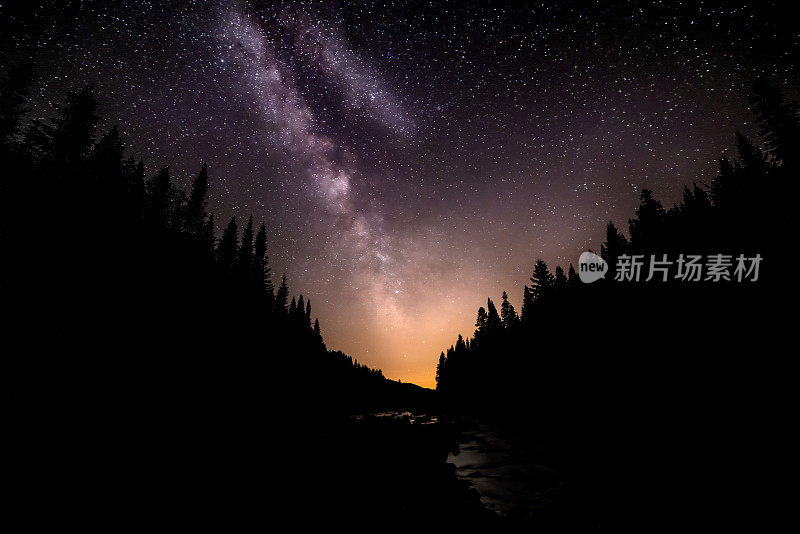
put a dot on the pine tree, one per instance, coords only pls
(493, 323)
(157, 191)
(293, 309)
(440, 371)
(541, 281)
(307, 322)
(133, 187)
(14, 90)
(318, 335)
(725, 185)
(696, 203)
(507, 313)
(300, 313)
(106, 158)
(461, 346)
(527, 305)
(67, 140)
(560, 282)
(228, 244)
(208, 236)
(646, 229)
(480, 324)
(246, 251)
(614, 246)
(281, 297)
(262, 272)
(779, 122)
(74, 126)
(197, 204)
(572, 277)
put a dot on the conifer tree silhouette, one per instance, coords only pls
(541, 281)
(779, 121)
(14, 91)
(614, 245)
(245, 261)
(228, 246)
(281, 297)
(300, 312)
(157, 190)
(262, 272)
(481, 322)
(560, 279)
(198, 202)
(572, 277)
(646, 228)
(493, 323)
(507, 313)
(527, 305)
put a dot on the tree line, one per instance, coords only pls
(643, 385)
(130, 330)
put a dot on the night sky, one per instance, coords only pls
(411, 159)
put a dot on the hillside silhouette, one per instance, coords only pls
(670, 400)
(148, 365)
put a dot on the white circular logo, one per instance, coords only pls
(591, 267)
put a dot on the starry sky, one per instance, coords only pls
(412, 158)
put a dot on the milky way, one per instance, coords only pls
(412, 159)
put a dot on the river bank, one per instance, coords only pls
(403, 472)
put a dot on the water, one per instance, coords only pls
(510, 471)
(508, 468)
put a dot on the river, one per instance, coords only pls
(510, 470)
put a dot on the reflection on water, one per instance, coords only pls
(399, 417)
(509, 470)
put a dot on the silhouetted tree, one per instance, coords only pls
(671, 356)
(245, 263)
(281, 297)
(527, 305)
(96, 261)
(228, 245)
(541, 281)
(560, 280)
(646, 228)
(614, 246)
(318, 333)
(69, 138)
(779, 121)
(507, 313)
(106, 158)
(262, 271)
(493, 323)
(157, 191)
(14, 90)
(461, 346)
(440, 371)
(208, 238)
(572, 277)
(481, 323)
(197, 204)
(300, 313)
(134, 188)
